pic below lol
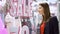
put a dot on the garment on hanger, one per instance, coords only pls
(2, 29)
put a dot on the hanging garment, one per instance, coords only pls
(51, 26)
(2, 29)
(27, 23)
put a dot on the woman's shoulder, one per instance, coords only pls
(53, 19)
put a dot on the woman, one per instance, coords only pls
(49, 24)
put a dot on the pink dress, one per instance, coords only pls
(2, 29)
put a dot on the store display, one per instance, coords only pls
(2, 29)
(27, 23)
(2, 2)
(22, 17)
(20, 9)
(55, 6)
(52, 1)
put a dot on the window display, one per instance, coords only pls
(24, 17)
(0, 0)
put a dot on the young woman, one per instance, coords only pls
(49, 24)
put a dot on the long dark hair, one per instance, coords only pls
(46, 11)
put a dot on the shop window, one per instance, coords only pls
(0, 0)
(27, 2)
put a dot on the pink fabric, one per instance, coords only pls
(1, 24)
(2, 29)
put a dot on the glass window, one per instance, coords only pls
(0, 0)
(27, 2)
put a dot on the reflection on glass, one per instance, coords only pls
(27, 2)
(59, 12)
(0, 0)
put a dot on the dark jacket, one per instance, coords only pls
(51, 26)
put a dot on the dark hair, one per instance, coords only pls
(46, 11)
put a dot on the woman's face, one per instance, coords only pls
(40, 9)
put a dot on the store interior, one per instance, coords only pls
(13, 20)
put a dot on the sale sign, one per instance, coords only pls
(20, 8)
(18, 17)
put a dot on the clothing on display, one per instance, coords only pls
(2, 29)
(27, 23)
